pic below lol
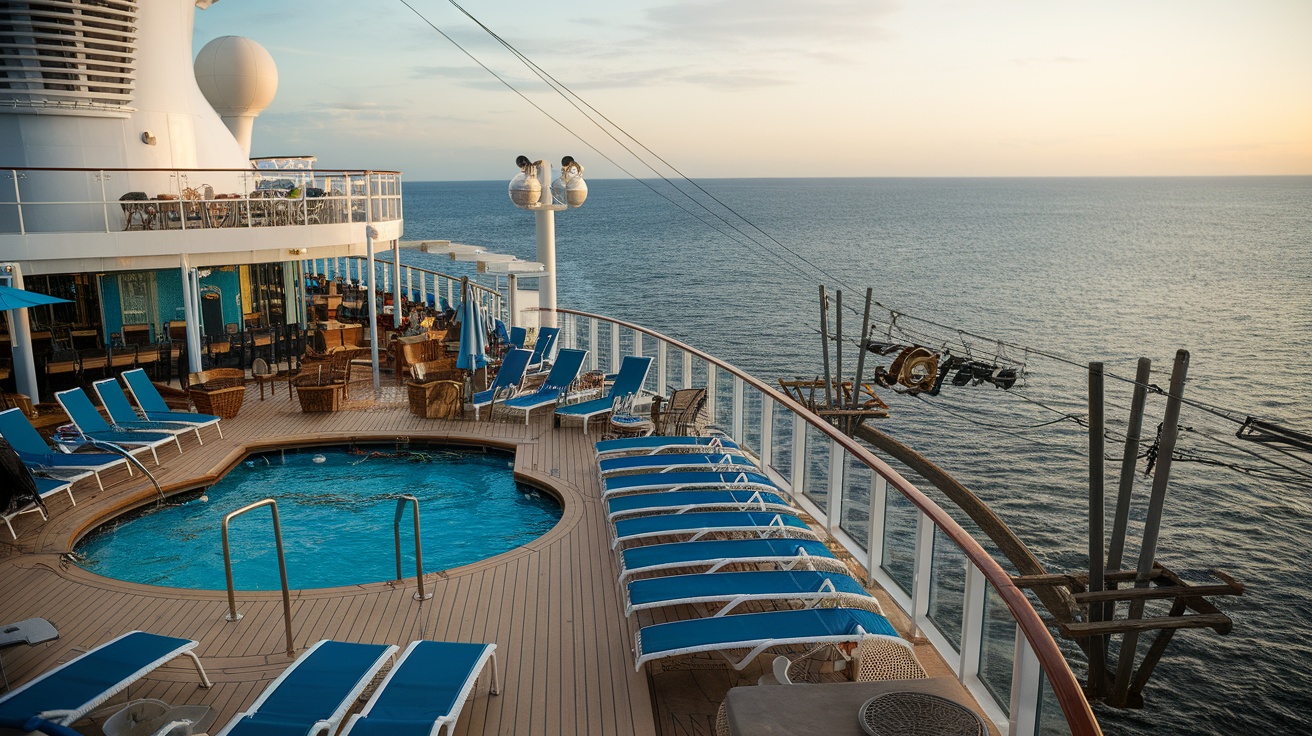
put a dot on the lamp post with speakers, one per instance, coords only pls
(532, 189)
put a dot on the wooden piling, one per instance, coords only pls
(1153, 522)
(1097, 649)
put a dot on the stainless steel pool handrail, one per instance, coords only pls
(129, 457)
(282, 568)
(419, 549)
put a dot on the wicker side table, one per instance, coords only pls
(914, 714)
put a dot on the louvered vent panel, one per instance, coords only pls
(68, 55)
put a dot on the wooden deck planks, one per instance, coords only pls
(551, 606)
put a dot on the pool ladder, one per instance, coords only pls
(282, 569)
(401, 501)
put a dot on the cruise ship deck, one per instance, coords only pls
(552, 606)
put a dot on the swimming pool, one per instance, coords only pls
(336, 507)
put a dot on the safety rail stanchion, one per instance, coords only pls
(420, 595)
(282, 569)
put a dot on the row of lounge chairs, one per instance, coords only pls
(423, 693)
(562, 372)
(128, 430)
(650, 496)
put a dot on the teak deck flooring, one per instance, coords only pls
(552, 606)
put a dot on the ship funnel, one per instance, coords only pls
(238, 78)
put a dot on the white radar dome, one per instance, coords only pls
(237, 75)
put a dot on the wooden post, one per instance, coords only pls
(838, 346)
(1152, 524)
(1097, 645)
(861, 355)
(1129, 459)
(824, 343)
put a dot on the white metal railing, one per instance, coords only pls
(955, 593)
(418, 283)
(116, 200)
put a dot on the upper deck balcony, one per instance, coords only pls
(57, 220)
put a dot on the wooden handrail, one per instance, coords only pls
(290, 172)
(1079, 716)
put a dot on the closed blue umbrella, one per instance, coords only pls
(473, 339)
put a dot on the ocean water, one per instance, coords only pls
(1082, 269)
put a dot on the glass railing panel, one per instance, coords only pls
(855, 519)
(947, 588)
(724, 402)
(751, 438)
(583, 335)
(817, 467)
(900, 517)
(700, 369)
(1052, 722)
(673, 370)
(628, 344)
(652, 382)
(603, 345)
(781, 441)
(997, 648)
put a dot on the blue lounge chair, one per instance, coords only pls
(123, 415)
(47, 487)
(660, 444)
(681, 502)
(313, 695)
(699, 524)
(757, 632)
(787, 554)
(36, 454)
(154, 407)
(82, 684)
(509, 376)
(92, 426)
(563, 373)
(517, 337)
(735, 588)
(542, 349)
(679, 481)
(425, 691)
(628, 382)
(675, 461)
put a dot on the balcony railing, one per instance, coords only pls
(418, 284)
(956, 594)
(116, 200)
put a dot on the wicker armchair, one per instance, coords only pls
(681, 414)
(886, 658)
(219, 391)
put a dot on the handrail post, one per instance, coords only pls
(282, 569)
(401, 500)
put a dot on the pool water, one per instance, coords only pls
(336, 507)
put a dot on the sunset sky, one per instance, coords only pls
(727, 88)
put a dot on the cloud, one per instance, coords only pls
(750, 22)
